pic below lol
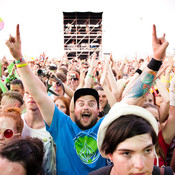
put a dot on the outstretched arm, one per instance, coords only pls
(31, 82)
(110, 96)
(134, 78)
(145, 80)
(165, 104)
(89, 77)
(168, 131)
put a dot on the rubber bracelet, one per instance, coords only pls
(21, 65)
(124, 85)
(92, 77)
(154, 64)
(139, 71)
(19, 61)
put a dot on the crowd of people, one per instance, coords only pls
(92, 116)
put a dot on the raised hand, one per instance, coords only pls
(159, 45)
(14, 44)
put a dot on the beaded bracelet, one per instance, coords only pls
(19, 61)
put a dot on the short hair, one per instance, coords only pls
(29, 152)
(76, 70)
(149, 105)
(99, 88)
(18, 81)
(124, 127)
(61, 76)
(14, 95)
(63, 69)
(52, 67)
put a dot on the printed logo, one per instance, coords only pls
(86, 147)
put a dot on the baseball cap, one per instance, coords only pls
(118, 110)
(86, 91)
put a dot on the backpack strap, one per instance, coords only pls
(162, 170)
(166, 170)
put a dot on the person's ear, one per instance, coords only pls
(110, 157)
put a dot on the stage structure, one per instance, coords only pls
(82, 34)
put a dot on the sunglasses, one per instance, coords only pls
(58, 84)
(8, 133)
(74, 79)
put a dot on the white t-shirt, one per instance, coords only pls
(49, 163)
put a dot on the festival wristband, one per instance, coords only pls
(92, 77)
(21, 65)
(19, 61)
(154, 64)
(124, 85)
(139, 71)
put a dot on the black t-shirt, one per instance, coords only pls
(107, 170)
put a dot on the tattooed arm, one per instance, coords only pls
(140, 87)
(145, 80)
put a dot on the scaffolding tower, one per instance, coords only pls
(82, 34)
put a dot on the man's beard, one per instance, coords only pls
(81, 126)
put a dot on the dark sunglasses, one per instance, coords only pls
(74, 79)
(58, 84)
(8, 133)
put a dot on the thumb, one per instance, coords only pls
(8, 44)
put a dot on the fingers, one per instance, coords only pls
(94, 56)
(8, 44)
(18, 34)
(161, 43)
(154, 34)
(165, 45)
(12, 39)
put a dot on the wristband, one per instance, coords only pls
(92, 77)
(19, 61)
(154, 64)
(124, 85)
(21, 65)
(139, 71)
